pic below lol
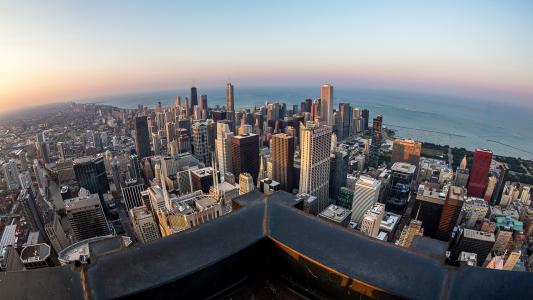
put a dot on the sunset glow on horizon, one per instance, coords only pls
(63, 51)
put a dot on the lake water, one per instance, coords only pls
(447, 120)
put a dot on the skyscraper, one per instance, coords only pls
(326, 103)
(230, 100)
(145, 228)
(91, 174)
(345, 116)
(86, 216)
(283, 160)
(245, 154)
(472, 241)
(203, 106)
(131, 193)
(142, 137)
(366, 193)
(479, 173)
(200, 142)
(376, 142)
(338, 172)
(365, 118)
(194, 98)
(405, 150)
(450, 212)
(357, 122)
(315, 142)
(223, 147)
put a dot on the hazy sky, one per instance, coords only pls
(68, 50)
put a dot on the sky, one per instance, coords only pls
(66, 50)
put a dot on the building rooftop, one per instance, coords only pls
(82, 201)
(92, 247)
(389, 222)
(335, 213)
(509, 223)
(479, 235)
(34, 253)
(403, 167)
(8, 236)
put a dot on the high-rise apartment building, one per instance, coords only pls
(405, 150)
(142, 137)
(245, 154)
(86, 216)
(326, 104)
(366, 193)
(479, 173)
(283, 160)
(372, 220)
(376, 142)
(315, 142)
(144, 226)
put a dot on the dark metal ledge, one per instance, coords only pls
(266, 239)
